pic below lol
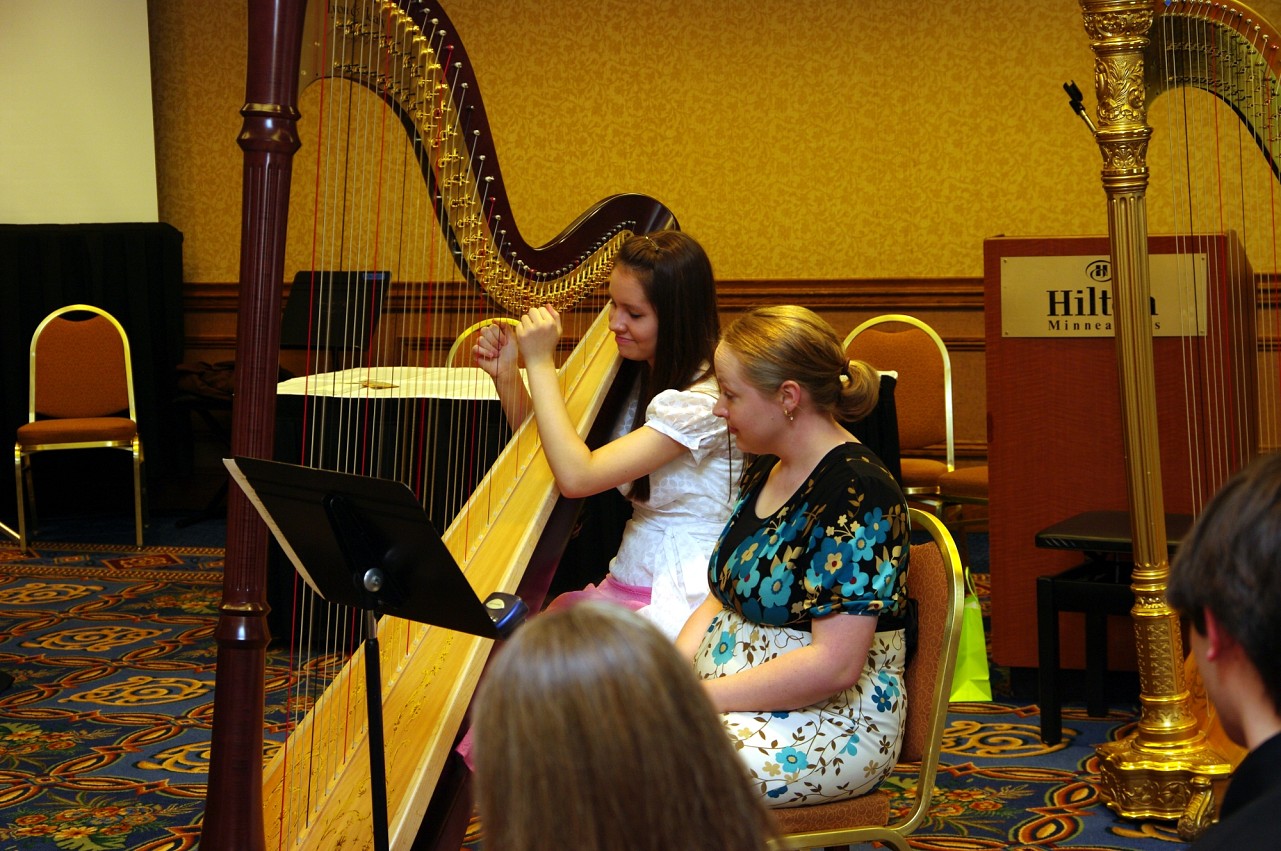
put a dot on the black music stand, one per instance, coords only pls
(367, 543)
(334, 311)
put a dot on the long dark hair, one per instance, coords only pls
(676, 276)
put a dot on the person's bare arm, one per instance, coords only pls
(830, 664)
(691, 634)
(579, 470)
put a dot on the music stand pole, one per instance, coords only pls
(377, 748)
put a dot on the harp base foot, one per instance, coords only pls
(1184, 783)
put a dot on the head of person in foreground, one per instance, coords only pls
(592, 733)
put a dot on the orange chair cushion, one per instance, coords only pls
(80, 369)
(965, 481)
(919, 395)
(872, 809)
(46, 432)
(921, 472)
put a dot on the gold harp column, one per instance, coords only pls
(1165, 769)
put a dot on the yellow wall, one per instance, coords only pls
(823, 139)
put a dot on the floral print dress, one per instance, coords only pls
(839, 545)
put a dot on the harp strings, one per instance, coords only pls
(1212, 178)
(380, 199)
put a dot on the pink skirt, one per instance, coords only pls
(610, 590)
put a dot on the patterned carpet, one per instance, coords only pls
(104, 734)
(105, 731)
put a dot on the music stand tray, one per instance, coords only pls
(368, 543)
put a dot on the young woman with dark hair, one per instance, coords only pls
(669, 454)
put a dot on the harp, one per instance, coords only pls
(1203, 66)
(405, 57)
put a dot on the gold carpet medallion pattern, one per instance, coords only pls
(144, 691)
(143, 561)
(93, 639)
(46, 593)
(185, 759)
(1012, 741)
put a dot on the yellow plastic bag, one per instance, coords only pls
(971, 681)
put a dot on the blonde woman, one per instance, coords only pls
(801, 644)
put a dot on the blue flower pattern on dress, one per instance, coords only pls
(875, 526)
(724, 648)
(791, 758)
(849, 548)
(776, 592)
(838, 545)
(886, 573)
(855, 588)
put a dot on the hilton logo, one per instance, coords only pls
(1090, 306)
(1072, 295)
(1087, 301)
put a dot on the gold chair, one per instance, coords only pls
(81, 387)
(935, 582)
(922, 395)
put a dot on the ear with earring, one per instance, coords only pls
(789, 397)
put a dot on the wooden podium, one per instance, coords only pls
(1054, 409)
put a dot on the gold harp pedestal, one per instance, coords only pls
(1166, 769)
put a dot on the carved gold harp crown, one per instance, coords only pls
(406, 55)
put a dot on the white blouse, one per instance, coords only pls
(669, 539)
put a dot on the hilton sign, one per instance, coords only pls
(1072, 296)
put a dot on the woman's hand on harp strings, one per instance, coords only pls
(537, 335)
(495, 351)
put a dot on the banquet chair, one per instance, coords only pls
(923, 396)
(81, 389)
(935, 583)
